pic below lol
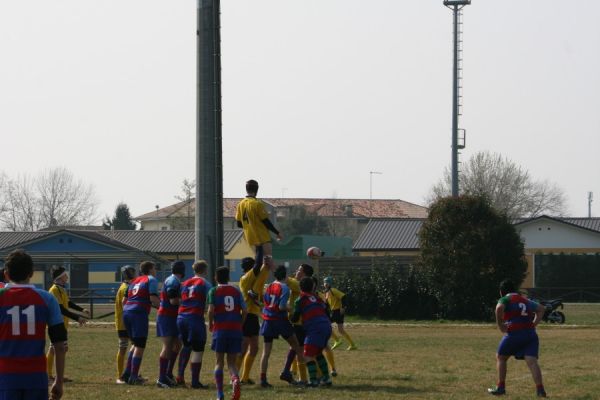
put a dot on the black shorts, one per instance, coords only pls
(251, 326)
(123, 334)
(337, 317)
(300, 334)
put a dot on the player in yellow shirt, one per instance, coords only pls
(336, 300)
(67, 308)
(127, 274)
(251, 215)
(251, 285)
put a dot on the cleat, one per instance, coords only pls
(541, 393)
(120, 381)
(248, 382)
(496, 391)
(352, 347)
(326, 381)
(265, 384)
(199, 385)
(333, 373)
(287, 376)
(313, 384)
(163, 384)
(180, 380)
(135, 381)
(301, 384)
(171, 380)
(236, 390)
(336, 344)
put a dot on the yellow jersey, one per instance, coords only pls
(119, 324)
(251, 212)
(249, 281)
(294, 286)
(63, 299)
(334, 298)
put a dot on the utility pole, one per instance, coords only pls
(590, 199)
(209, 165)
(456, 6)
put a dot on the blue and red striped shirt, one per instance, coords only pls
(171, 284)
(25, 311)
(312, 309)
(275, 298)
(519, 312)
(194, 292)
(138, 293)
(228, 305)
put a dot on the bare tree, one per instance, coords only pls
(184, 219)
(508, 186)
(54, 198)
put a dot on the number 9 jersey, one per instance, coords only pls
(228, 305)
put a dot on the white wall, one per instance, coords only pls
(548, 234)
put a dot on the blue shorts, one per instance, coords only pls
(136, 323)
(318, 336)
(166, 326)
(520, 345)
(272, 329)
(191, 329)
(228, 345)
(24, 394)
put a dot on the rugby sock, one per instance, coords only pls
(302, 370)
(291, 355)
(136, 362)
(239, 360)
(128, 365)
(50, 362)
(329, 357)
(248, 361)
(312, 370)
(348, 338)
(540, 388)
(184, 357)
(120, 363)
(196, 372)
(171, 365)
(219, 382)
(263, 376)
(501, 385)
(323, 366)
(163, 364)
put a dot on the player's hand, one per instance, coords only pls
(86, 313)
(279, 236)
(56, 391)
(82, 321)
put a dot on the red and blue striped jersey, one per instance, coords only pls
(228, 305)
(171, 284)
(519, 312)
(138, 293)
(312, 309)
(2, 285)
(25, 311)
(276, 297)
(194, 292)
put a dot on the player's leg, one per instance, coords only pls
(184, 355)
(264, 361)
(234, 373)
(177, 345)
(328, 353)
(121, 354)
(342, 331)
(163, 361)
(501, 367)
(249, 358)
(50, 361)
(198, 344)
(219, 374)
(295, 347)
(531, 352)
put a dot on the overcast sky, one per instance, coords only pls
(316, 94)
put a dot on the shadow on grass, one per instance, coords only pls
(377, 389)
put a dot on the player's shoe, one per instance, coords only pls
(352, 347)
(287, 376)
(237, 393)
(248, 382)
(199, 385)
(163, 384)
(326, 381)
(171, 380)
(497, 391)
(135, 381)
(541, 393)
(120, 381)
(180, 380)
(313, 384)
(336, 344)
(333, 373)
(265, 384)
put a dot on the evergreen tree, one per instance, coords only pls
(121, 220)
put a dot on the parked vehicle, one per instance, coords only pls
(552, 314)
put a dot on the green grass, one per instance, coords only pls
(394, 361)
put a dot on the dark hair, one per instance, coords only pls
(280, 272)
(307, 269)
(507, 286)
(19, 265)
(127, 272)
(200, 266)
(178, 268)
(146, 267)
(251, 186)
(247, 263)
(56, 271)
(222, 275)
(307, 284)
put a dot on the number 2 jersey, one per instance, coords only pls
(228, 305)
(519, 312)
(25, 311)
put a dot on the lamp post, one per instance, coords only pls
(371, 173)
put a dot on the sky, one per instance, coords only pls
(316, 95)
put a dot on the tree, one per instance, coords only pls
(184, 218)
(53, 198)
(299, 221)
(121, 220)
(508, 186)
(467, 249)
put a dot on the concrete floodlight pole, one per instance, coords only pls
(209, 169)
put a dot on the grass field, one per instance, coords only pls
(415, 360)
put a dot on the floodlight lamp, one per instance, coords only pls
(457, 2)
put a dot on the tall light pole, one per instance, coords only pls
(456, 6)
(590, 199)
(371, 173)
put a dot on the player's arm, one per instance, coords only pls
(211, 309)
(500, 318)
(297, 312)
(539, 313)
(243, 307)
(153, 289)
(174, 294)
(58, 336)
(269, 225)
(285, 297)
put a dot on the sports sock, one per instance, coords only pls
(120, 363)
(128, 365)
(171, 365)
(312, 370)
(323, 366)
(136, 362)
(50, 362)
(501, 385)
(184, 357)
(163, 364)
(263, 377)
(239, 360)
(291, 355)
(329, 357)
(348, 338)
(196, 367)
(540, 388)
(248, 361)
(219, 382)
(302, 370)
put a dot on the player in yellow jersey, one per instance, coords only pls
(68, 309)
(127, 274)
(253, 218)
(251, 285)
(336, 300)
